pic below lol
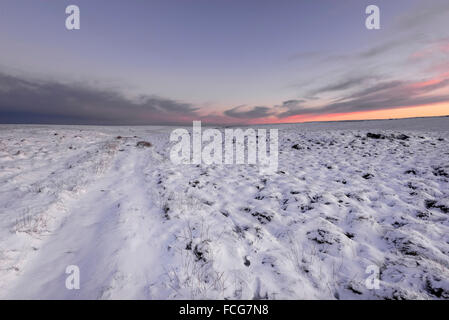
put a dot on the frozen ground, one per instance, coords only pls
(140, 227)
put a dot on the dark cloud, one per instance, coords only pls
(254, 113)
(32, 101)
(342, 85)
(292, 108)
(362, 55)
(385, 95)
(423, 14)
(378, 88)
(381, 48)
(291, 103)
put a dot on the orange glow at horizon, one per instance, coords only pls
(434, 110)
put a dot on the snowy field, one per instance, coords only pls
(346, 196)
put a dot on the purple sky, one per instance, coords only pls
(223, 61)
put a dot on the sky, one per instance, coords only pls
(222, 61)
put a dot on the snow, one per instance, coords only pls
(140, 227)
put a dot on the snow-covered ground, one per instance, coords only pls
(141, 227)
